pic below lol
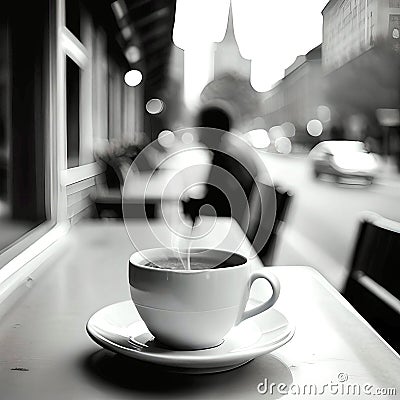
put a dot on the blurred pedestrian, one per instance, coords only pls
(232, 172)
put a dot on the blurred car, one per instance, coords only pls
(344, 159)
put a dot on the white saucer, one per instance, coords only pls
(119, 328)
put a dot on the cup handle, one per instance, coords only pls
(273, 281)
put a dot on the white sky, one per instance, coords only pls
(276, 34)
(271, 33)
(264, 26)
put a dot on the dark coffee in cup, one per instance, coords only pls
(196, 263)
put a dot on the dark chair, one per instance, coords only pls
(108, 197)
(373, 284)
(268, 210)
(110, 206)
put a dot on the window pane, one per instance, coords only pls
(23, 102)
(4, 116)
(5, 125)
(73, 17)
(73, 129)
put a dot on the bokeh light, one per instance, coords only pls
(133, 77)
(314, 127)
(289, 129)
(154, 106)
(132, 53)
(276, 132)
(283, 145)
(187, 138)
(166, 138)
(258, 138)
(324, 113)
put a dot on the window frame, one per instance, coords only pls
(51, 195)
(16, 260)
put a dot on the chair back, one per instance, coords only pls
(229, 185)
(373, 283)
(268, 210)
(109, 205)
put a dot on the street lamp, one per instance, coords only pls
(133, 77)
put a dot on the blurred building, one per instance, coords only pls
(227, 84)
(297, 96)
(352, 27)
(230, 89)
(227, 57)
(360, 60)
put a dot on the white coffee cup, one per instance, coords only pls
(195, 309)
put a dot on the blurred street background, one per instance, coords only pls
(311, 86)
(323, 222)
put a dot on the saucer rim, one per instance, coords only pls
(195, 356)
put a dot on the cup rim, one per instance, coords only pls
(142, 253)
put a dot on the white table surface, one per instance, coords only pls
(45, 352)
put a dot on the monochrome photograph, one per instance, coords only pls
(199, 199)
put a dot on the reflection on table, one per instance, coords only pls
(49, 355)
